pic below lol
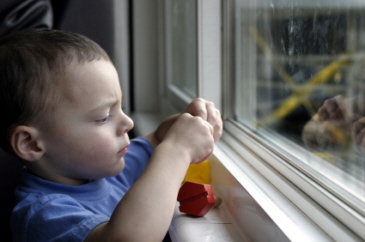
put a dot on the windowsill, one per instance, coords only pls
(253, 209)
(216, 225)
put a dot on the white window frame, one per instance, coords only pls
(175, 98)
(335, 218)
(209, 56)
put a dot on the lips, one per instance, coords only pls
(123, 151)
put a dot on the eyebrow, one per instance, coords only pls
(106, 104)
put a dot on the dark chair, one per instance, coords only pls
(10, 178)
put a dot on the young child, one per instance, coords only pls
(84, 180)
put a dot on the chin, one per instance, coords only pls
(120, 167)
(114, 169)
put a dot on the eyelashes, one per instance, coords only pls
(108, 117)
(105, 119)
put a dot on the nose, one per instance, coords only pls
(125, 124)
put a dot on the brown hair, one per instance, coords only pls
(32, 64)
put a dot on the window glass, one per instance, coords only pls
(181, 23)
(300, 86)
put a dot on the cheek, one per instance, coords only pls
(85, 144)
(100, 148)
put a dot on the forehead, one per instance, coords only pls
(90, 81)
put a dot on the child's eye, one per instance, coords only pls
(104, 120)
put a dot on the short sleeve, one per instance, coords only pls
(54, 218)
(137, 158)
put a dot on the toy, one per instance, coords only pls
(196, 198)
(199, 173)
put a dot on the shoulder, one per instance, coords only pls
(46, 217)
(44, 206)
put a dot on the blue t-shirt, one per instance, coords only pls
(48, 211)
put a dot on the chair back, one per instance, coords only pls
(10, 178)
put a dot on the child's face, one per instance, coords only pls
(88, 136)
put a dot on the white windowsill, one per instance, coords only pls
(252, 209)
(216, 225)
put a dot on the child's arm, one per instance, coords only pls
(145, 212)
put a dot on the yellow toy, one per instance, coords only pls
(199, 173)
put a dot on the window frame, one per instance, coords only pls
(172, 94)
(208, 56)
(338, 219)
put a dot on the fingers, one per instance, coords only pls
(207, 124)
(198, 108)
(210, 150)
(214, 118)
(208, 112)
(211, 113)
(198, 136)
(218, 127)
(210, 127)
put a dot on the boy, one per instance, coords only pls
(61, 107)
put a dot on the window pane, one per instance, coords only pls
(300, 85)
(182, 45)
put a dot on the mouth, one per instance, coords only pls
(123, 151)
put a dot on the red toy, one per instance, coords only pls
(195, 198)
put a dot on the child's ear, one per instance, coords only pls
(26, 143)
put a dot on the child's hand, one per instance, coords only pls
(198, 108)
(207, 111)
(192, 136)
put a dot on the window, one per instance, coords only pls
(290, 60)
(181, 50)
(281, 61)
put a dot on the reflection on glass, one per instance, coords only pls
(183, 50)
(300, 85)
